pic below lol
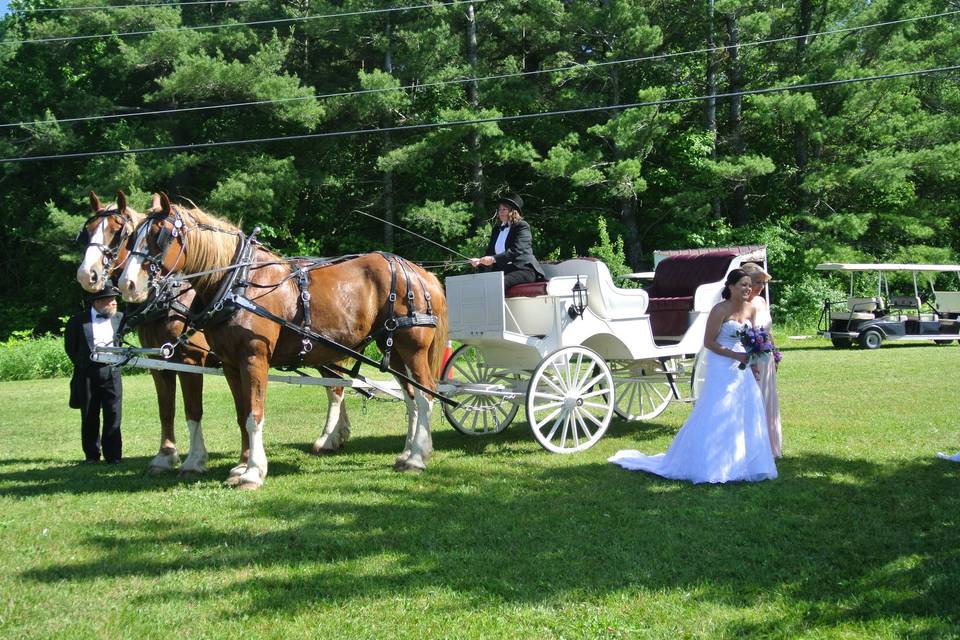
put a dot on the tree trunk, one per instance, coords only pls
(805, 18)
(388, 191)
(710, 108)
(737, 145)
(628, 204)
(473, 95)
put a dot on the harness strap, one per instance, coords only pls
(242, 302)
(303, 282)
(390, 324)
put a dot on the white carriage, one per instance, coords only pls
(577, 349)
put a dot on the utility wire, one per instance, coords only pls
(502, 76)
(344, 14)
(108, 7)
(453, 123)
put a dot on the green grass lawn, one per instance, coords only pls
(858, 537)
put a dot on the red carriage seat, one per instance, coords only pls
(674, 284)
(527, 290)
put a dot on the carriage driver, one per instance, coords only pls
(96, 387)
(510, 249)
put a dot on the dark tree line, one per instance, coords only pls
(861, 171)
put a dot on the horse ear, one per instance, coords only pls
(95, 202)
(155, 203)
(121, 202)
(164, 204)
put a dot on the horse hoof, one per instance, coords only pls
(190, 474)
(238, 470)
(408, 465)
(232, 481)
(321, 451)
(249, 486)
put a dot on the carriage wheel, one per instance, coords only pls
(477, 414)
(698, 375)
(570, 400)
(642, 390)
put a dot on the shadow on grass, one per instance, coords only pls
(836, 541)
(130, 476)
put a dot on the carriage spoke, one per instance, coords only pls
(551, 415)
(598, 392)
(593, 419)
(563, 433)
(596, 405)
(660, 395)
(562, 418)
(551, 383)
(592, 382)
(574, 424)
(583, 426)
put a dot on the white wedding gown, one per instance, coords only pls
(725, 438)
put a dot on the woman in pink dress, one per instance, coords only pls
(768, 366)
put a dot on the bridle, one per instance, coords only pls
(108, 252)
(137, 244)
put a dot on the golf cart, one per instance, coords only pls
(869, 320)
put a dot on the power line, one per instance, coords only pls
(108, 7)
(252, 23)
(453, 123)
(502, 76)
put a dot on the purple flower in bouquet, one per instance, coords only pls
(757, 343)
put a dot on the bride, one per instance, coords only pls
(725, 438)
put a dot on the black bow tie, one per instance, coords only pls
(103, 315)
(504, 226)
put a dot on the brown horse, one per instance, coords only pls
(348, 301)
(104, 240)
(104, 237)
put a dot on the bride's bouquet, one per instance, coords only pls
(758, 345)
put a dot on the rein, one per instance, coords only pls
(231, 297)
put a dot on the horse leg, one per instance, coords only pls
(419, 445)
(336, 431)
(400, 463)
(191, 386)
(167, 458)
(254, 386)
(236, 389)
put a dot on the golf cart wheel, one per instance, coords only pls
(871, 339)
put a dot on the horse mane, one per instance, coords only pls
(211, 244)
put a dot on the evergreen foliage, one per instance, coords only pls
(866, 170)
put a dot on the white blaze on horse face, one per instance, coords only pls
(91, 273)
(134, 281)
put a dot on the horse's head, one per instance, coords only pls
(103, 238)
(157, 248)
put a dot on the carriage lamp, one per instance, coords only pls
(579, 300)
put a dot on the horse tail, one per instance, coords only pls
(440, 334)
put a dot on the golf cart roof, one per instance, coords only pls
(853, 267)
